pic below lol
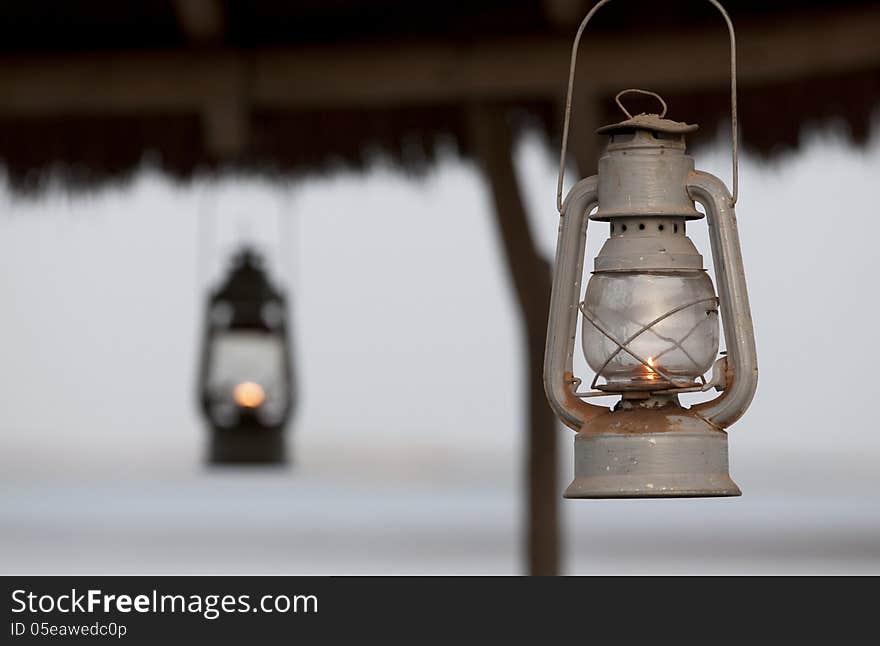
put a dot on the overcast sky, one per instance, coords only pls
(406, 334)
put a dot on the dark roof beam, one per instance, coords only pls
(423, 74)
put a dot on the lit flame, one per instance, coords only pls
(651, 376)
(249, 394)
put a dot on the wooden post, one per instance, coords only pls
(530, 276)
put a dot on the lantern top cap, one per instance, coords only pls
(652, 122)
(247, 280)
(649, 122)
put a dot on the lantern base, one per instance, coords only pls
(665, 452)
(245, 446)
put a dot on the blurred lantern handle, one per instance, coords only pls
(559, 380)
(739, 335)
(571, 71)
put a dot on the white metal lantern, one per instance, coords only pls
(650, 314)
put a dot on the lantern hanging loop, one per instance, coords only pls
(571, 72)
(633, 90)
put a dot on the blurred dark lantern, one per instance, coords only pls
(246, 381)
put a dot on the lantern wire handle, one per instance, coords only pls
(571, 71)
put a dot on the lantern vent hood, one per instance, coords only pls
(649, 122)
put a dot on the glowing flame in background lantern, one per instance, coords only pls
(249, 394)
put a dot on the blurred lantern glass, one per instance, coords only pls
(683, 344)
(247, 370)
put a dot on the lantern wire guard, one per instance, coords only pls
(624, 346)
(571, 73)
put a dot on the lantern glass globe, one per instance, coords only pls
(247, 370)
(683, 345)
